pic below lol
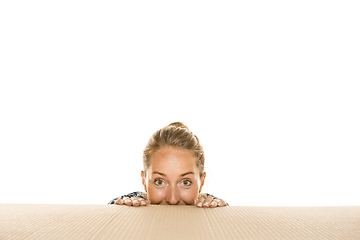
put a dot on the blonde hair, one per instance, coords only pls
(175, 135)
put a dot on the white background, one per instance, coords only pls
(271, 88)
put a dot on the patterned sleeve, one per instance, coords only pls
(144, 196)
(130, 195)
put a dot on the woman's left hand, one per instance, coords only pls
(209, 201)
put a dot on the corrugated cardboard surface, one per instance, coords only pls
(31, 221)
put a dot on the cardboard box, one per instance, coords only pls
(39, 221)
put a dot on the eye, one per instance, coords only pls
(186, 183)
(159, 182)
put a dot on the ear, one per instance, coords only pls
(202, 181)
(143, 180)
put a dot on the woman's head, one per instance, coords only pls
(173, 166)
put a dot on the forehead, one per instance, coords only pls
(173, 159)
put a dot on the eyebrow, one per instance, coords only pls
(163, 174)
(187, 173)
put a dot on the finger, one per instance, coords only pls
(135, 201)
(142, 202)
(200, 201)
(204, 200)
(127, 201)
(207, 201)
(119, 201)
(214, 203)
(222, 203)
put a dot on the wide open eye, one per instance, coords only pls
(159, 182)
(186, 183)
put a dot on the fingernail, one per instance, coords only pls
(199, 204)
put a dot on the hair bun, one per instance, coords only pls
(178, 125)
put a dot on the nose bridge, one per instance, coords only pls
(173, 195)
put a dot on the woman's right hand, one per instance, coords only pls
(134, 201)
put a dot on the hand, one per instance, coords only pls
(134, 201)
(209, 201)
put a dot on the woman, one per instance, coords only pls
(173, 171)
